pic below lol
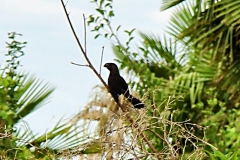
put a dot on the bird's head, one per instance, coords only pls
(111, 66)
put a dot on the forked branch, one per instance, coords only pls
(80, 45)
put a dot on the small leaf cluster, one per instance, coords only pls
(105, 13)
(10, 79)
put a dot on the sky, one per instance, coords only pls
(51, 47)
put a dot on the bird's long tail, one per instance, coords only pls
(135, 102)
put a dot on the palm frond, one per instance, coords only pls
(32, 95)
(159, 49)
(228, 77)
(166, 4)
(181, 20)
(192, 77)
(62, 136)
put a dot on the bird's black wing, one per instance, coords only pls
(117, 86)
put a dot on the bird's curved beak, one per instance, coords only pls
(105, 65)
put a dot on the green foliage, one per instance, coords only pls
(216, 155)
(22, 94)
(10, 81)
(105, 10)
(199, 62)
(13, 86)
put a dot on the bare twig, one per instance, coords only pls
(66, 4)
(101, 61)
(82, 65)
(85, 34)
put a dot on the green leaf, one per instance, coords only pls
(166, 4)
(111, 14)
(97, 36)
(130, 32)
(101, 11)
(101, 2)
(90, 19)
(108, 5)
(93, 148)
(118, 27)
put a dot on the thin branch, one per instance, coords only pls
(144, 138)
(85, 34)
(70, 23)
(82, 65)
(80, 46)
(166, 141)
(66, 4)
(101, 61)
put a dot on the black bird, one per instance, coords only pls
(117, 86)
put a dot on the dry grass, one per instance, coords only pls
(116, 138)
